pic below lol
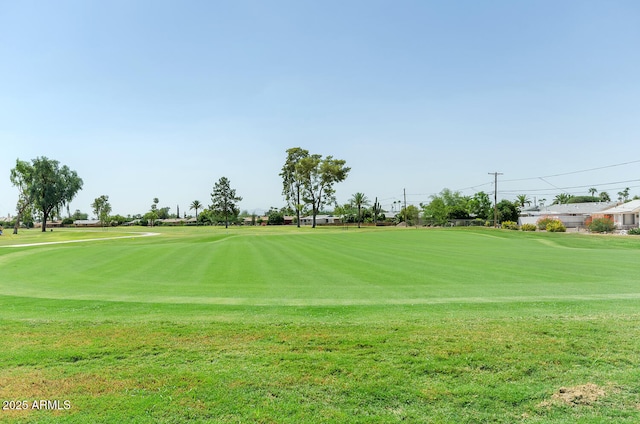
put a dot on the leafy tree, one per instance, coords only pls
(21, 177)
(507, 211)
(359, 200)
(196, 205)
(50, 186)
(224, 200)
(346, 212)
(480, 205)
(102, 209)
(410, 215)
(275, 217)
(445, 206)
(163, 213)
(604, 196)
(77, 215)
(435, 211)
(292, 179)
(318, 177)
(118, 219)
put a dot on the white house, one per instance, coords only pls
(572, 215)
(625, 216)
(320, 220)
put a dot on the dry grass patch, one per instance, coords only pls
(38, 385)
(581, 395)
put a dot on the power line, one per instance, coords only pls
(575, 172)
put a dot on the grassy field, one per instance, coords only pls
(289, 325)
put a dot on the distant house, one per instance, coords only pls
(625, 216)
(255, 220)
(86, 223)
(176, 221)
(572, 215)
(320, 220)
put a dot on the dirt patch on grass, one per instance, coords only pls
(582, 395)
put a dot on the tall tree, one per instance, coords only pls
(22, 177)
(318, 177)
(224, 200)
(359, 200)
(604, 196)
(196, 205)
(593, 191)
(51, 186)
(102, 209)
(292, 180)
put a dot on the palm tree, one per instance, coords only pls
(562, 198)
(522, 200)
(593, 191)
(196, 205)
(359, 200)
(604, 196)
(623, 195)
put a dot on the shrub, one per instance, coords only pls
(556, 226)
(601, 225)
(542, 222)
(528, 227)
(509, 225)
(634, 232)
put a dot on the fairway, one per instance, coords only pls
(275, 324)
(328, 267)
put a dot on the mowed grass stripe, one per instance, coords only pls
(323, 267)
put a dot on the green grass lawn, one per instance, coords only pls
(328, 325)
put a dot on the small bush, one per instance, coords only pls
(634, 232)
(556, 226)
(601, 225)
(528, 227)
(542, 222)
(509, 225)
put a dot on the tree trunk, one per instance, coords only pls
(17, 224)
(298, 205)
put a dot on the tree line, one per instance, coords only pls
(46, 188)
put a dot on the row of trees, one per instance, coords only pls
(308, 182)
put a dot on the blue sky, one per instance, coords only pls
(160, 99)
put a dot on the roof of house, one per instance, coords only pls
(320, 217)
(629, 207)
(575, 208)
(86, 222)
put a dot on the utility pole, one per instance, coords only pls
(406, 221)
(495, 197)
